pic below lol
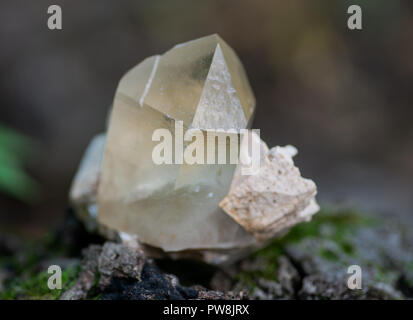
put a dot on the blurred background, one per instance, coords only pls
(343, 98)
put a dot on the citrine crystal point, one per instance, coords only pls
(191, 80)
(174, 207)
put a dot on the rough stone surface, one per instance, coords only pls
(115, 271)
(274, 199)
(315, 266)
(310, 262)
(119, 261)
(282, 284)
(87, 277)
(382, 253)
(287, 276)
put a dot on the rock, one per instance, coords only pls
(154, 285)
(87, 277)
(274, 199)
(322, 287)
(115, 271)
(283, 283)
(313, 261)
(381, 252)
(287, 276)
(118, 261)
(310, 262)
(108, 262)
(219, 295)
(5, 275)
(273, 289)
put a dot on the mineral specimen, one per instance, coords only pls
(182, 209)
(174, 206)
(274, 199)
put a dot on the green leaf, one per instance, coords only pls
(14, 181)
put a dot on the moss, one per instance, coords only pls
(97, 297)
(34, 285)
(336, 226)
(348, 248)
(384, 276)
(328, 254)
(27, 283)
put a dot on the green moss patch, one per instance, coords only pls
(336, 226)
(27, 282)
(34, 285)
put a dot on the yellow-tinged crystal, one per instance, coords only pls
(174, 206)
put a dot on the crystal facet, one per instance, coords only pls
(174, 206)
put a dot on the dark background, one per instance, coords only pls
(343, 98)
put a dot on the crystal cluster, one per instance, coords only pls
(175, 207)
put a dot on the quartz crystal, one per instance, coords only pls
(174, 206)
(211, 212)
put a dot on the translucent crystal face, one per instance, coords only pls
(174, 206)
